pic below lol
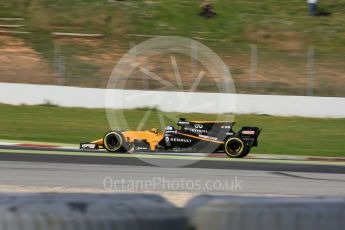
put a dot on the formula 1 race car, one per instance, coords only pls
(191, 136)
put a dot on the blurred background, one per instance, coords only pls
(274, 48)
(271, 47)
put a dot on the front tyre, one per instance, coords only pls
(235, 148)
(114, 142)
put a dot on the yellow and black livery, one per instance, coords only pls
(190, 136)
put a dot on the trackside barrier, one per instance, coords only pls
(89, 211)
(29, 94)
(152, 212)
(266, 213)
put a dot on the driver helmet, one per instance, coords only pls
(169, 128)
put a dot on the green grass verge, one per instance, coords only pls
(282, 31)
(280, 135)
(235, 20)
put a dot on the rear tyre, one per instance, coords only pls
(114, 142)
(235, 148)
(245, 152)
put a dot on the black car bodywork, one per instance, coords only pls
(190, 136)
(210, 137)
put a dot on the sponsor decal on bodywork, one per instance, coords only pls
(198, 126)
(176, 139)
(196, 130)
(89, 146)
(208, 137)
(248, 132)
(142, 148)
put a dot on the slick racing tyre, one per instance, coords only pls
(114, 142)
(234, 147)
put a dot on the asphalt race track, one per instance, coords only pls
(101, 171)
(30, 154)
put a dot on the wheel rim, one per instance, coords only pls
(234, 147)
(112, 141)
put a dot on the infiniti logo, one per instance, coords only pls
(198, 126)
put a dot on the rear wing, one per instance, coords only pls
(250, 134)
